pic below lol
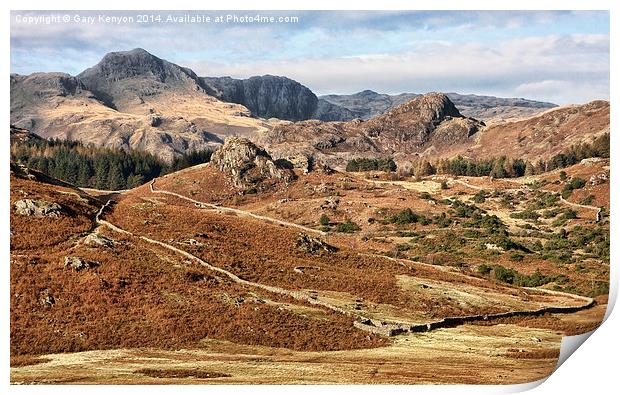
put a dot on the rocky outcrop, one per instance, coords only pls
(98, 240)
(78, 264)
(38, 208)
(313, 245)
(46, 299)
(246, 164)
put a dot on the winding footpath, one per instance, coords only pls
(235, 211)
(374, 326)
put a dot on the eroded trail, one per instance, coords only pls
(234, 210)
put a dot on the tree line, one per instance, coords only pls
(370, 164)
(96, 167)
(505, 167)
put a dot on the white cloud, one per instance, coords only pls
(560, 69)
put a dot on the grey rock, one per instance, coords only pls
(247, 164)
(46, 298)
(38, 208)
(79, 264)
(97, 240)
(306, 243)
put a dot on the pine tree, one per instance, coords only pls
(115, 178)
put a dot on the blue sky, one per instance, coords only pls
(557, 56)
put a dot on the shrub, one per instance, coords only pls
(426, 196)
(516, 257)
(577, 183)
(347, 227)
(324, 220)
(368, 164)
(406, 216)
(526, 214)
(563, 175)
(444, 184)
(480, 197)
(484, 269)
(569, 214)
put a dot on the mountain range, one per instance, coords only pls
(134, 99)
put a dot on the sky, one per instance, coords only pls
(556, 56)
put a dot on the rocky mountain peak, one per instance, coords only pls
(247, 164)
(116, 66)
(126, 78)
(137, 64)
(428, 107)
(367, 93)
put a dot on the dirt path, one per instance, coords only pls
(361, 322)
(235, 210)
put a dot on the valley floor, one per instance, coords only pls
(470, 354)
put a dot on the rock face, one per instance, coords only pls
(271, 96)
(425, 124)
(38, 208)
(247, 164)
(266, 96)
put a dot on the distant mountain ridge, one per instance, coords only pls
(368, 104)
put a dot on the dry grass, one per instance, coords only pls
(180, 373)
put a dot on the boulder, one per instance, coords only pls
(79, 264)
(38, 208)
(306, 243)
(97, 240)
(46, 298)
